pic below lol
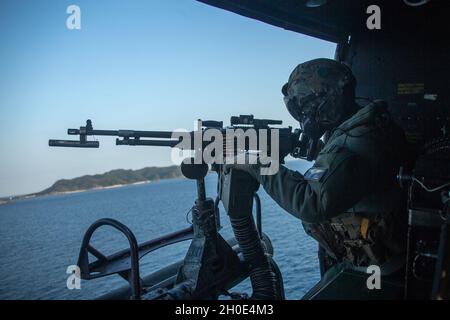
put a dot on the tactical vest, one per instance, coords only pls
(373, 230)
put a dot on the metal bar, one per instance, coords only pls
(123, 133)
(201, 189)
(120, 261)
(96, 253)
(138, 142)
(83, 260)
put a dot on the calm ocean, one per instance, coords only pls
(40, 237)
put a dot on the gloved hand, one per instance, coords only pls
(249, 163)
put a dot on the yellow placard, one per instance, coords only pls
(410, 88)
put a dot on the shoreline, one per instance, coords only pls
(13, 199)
(108, 180)
(114, 186)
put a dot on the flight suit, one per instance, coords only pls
(349, 200)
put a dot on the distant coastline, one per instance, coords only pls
(108, 180)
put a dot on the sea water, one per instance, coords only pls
(41, 237)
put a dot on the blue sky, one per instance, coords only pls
(148, 65)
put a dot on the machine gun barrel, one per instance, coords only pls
(129, 137)
(73, 143)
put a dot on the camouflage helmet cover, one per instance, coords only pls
(319, 88)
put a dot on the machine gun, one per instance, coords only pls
(212, 265)
(289, 140)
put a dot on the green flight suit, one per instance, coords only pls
(349, 200)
